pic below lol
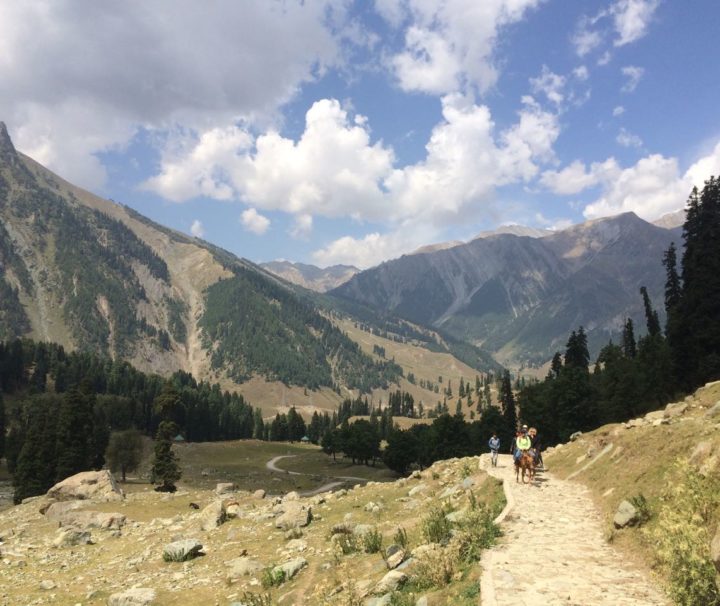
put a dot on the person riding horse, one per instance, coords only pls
(524, 456)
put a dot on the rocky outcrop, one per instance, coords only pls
(133, 597)
(68, 513)
(295, 515)
(87, 485)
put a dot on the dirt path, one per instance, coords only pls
(554, 551)
(337, 480)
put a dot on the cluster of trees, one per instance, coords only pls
(286, 340)
(635, 376)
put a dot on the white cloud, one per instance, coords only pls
(586, 40)
(575, 177)
(103, 70)
(633, 75)
(619, 110)
(551, 85)
(653, 186)
(631, 19)
(254, 221)
(197, 229)
(450, 45)
(581, 73)
(604, 58)
(628, 139)
(303, 227)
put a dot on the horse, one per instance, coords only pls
(526, 462)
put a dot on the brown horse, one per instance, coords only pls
(526, 462)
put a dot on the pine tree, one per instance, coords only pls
(556, 365)
(507, 402)
(258, 425)
(165, 468)
(124, 451)
(75, 434)
(629, 346)
(651, 316)
(672, 280)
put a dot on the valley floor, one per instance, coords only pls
(555, 551)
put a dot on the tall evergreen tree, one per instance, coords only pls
(651, 316)
(258, 425)
(165, 468)
(75, 434)
(124, 451)
(629, 346)
(672, 279)
(507, 402)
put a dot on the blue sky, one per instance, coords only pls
(354, 132)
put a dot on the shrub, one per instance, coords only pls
(476, 532)
(681, 538)
(347, 543)
(436, 528)
(272, 577)
(401, 537)
(642, 507)
(434, 567)
(256, 599)
(372, 541)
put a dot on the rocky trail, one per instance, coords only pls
(554, 550)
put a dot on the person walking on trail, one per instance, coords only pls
(494, 445)
(522, 443)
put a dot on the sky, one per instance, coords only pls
(352, 132)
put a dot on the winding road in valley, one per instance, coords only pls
(554, 550)
(337, 480)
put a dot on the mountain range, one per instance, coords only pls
(94, 275)
(519, 295)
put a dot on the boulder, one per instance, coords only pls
(291, 568)
(295, 515)
(626, 515)
(575, 436)
(417, 489)
(291, 496)
(224, 488)
(181, 551)
(714, 410)
(95, 485)
(675, 409)
(655, 414)
(259, 494)
(138, 596)
(68, 514)
(232, 509)
(244, 566)
(715, 550)
(392, 581)
(71, 537)
(393, 560)
(213, 515)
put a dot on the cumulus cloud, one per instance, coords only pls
(623, 22)
(628, 139)
(653, 186)
(197, 229)
(631, 19)
(302, 227)
(254, 222)
(105, 69)
(551, 85)
(633, 74)
(619, 110)
(576, 177)
(450, 46)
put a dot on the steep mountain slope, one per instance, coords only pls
(521, 296)
(91, 274)
(310, 276)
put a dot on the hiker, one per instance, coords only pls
(522, 443)
(535, 442)
(494, 445)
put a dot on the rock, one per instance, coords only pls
(715, 550)
(68, 514)
(468, 483)
(422, 601)
(181, 551)
(138, 596)
(362, 529)
(293, 533)
(675, 409)
(342, 528)
(72, 537)
(291, 568)
(395, 559)
(47, 585)
(259, 494)
(654, 415)
(392, 581)
(701, 453)
(291, 496)
(296, 515)
(417, 489)
(232, 509)
(626, 515)
(575, 436)
(714, 410)
(240, 567)
(296, 545)
(213, 515)
(95, 485)
(385, 600)
(224, 488)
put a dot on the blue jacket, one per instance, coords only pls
(494, 443)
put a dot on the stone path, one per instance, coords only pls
(554, 550)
